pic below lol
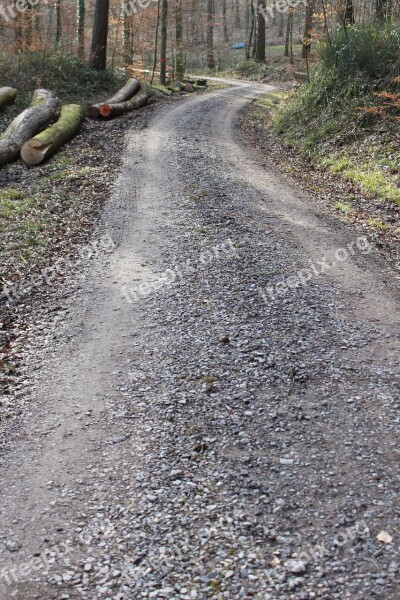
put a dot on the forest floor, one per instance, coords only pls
(209, 407)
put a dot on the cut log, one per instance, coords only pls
(109, 111)
(44, 108)
(43, 145)
(7, 96)
(125, 93)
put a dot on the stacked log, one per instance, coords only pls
(131, 87)
(44, 108)
(109, 111)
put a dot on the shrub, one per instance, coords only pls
(351, 75)
(68, 76)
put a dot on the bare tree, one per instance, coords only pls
(252, 26)
(58, 22)
(179, 59)
(260, 38)
(210, 34)
(310, 10)
(225, 24)
(98, 52)
(237, 13)
(81, 10)
(289, 35)
(163, 42)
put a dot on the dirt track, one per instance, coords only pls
(223, 398)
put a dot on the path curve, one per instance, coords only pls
(218, 417)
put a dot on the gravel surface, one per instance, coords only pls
(200, 425)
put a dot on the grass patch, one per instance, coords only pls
(342, 206)
(377, 223)
(23, 221)
(370, 176)
(266, 106)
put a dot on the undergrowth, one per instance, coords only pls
(348, 115)
(66, 75)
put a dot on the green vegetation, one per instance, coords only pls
(342, 206)
(66, 75)
(23, 222)
(347, 117)
(377, 223)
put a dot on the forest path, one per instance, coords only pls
(205, 419)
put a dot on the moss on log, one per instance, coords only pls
(44, 108)
(43, 145)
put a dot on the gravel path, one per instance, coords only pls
(218, 416)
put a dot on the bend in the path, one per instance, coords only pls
(144, 425)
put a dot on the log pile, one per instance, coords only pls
(40, 130)
(44, 108)
(131, 97)
(125, 93)
(109, 110)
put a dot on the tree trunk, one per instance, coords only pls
(163, 42)
(7, 96)
(252, 24)
(43, 145)
(237, 14)
(310, 9)
(179, 60)
(81, 11)
(127, 37)
(44, 108)
(125, 93)
(109, 111)
(260, 42)
(289, 30)
(210, 34)
(326, 28)
(156, 43)
(27, 19)
(98, 52)
(19, 34)
(247, 19)
(348, 16)
(224, 21)
(281, 24)
(193, 24)
(58, 22)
